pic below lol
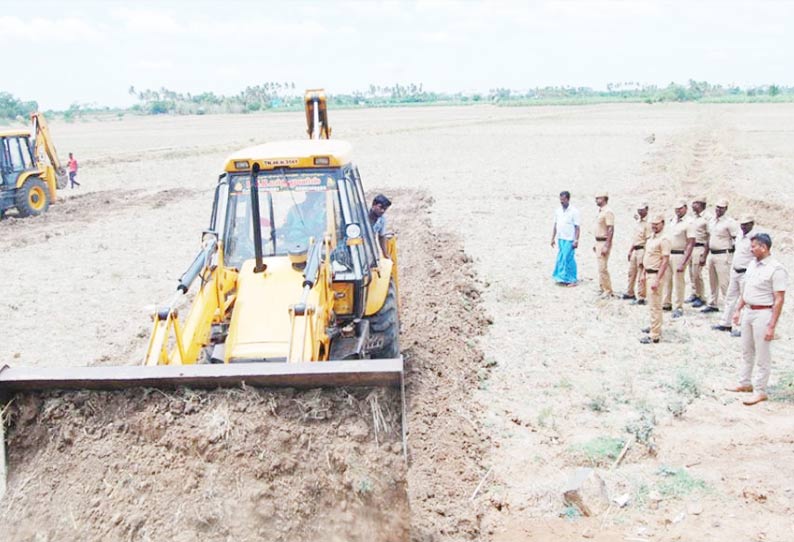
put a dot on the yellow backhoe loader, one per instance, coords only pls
(30, 170)
(292, 287)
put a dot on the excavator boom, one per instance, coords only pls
(43, 141)
(317, 114)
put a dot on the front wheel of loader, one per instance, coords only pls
(385, 326)
(33, 198)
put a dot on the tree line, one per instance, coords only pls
(284, 95)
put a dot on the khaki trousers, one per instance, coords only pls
(755, 350)
(604, 281)
(735, 287)
(674, 282)
(696, 273)
(655, 304)
(636, 274)
(719, 277)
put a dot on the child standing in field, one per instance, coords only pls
(72, 171)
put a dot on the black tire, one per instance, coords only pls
(33, 198)
(385, 325)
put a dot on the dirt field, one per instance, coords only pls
(499, 415)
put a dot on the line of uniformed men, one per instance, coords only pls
(718, 245)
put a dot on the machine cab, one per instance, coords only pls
(308, 190)
(16, 157)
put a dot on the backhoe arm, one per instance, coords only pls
(43, 141)
(317, 114)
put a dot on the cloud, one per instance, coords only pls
(67, 30)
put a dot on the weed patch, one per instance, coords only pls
(601, 450)
(677, 482)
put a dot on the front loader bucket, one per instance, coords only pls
(371, 372)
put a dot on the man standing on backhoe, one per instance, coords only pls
(380, 204)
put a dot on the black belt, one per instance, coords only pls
(652, 271)
(722, 251)
(740, 270)
(601, 238)
(638, 247)
(700, 244)
(676, 252)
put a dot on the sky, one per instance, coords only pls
(89, 52)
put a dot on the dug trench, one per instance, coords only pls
(266, 464)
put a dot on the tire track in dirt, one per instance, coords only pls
(64, 217)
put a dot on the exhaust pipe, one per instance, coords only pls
(260, 265)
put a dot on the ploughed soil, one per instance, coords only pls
(266, 464)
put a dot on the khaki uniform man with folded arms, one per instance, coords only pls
(762, 301)
(742, 256)
(682, 241)
(605, 229)
(656, 262)
(722, 232)
(642, 231)
(700, 227)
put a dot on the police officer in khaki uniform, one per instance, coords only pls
(642, 231)
(700, 227)
(762, 301)
(742, 256)
(722, 232)
(604, 230)
(682, 241)
(656, 262)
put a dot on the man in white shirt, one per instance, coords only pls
(764, 293)
(565, 236)
(742, 256)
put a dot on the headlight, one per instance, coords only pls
(353, 231)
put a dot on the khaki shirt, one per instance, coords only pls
(763, 279)
(743, 255)
(722, 231)
(642, 231)
(700, 227)
(679, 233)
(605, 219)
(656, 248)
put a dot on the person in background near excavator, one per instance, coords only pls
(72, 165)
(642, 231)
(700, 228)
(722, 231)
(682, 241)
(565, 235)
(742, 257)
(656, 262)
(604, 231)
(380, 204)
(762, 301)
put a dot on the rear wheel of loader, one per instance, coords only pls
(33, 198)
(386, 325)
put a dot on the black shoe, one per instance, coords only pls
(667, 308)
(690, 299)
(646, 330)
(678, 313)
(736, 333)
(640, 302)
(648, 340)
(720, 327)
(709, 309)
(696, 304)
(627, 296)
